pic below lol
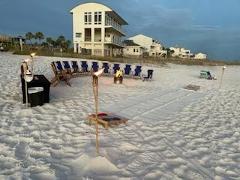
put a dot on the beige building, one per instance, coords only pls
(5, 38)
(181, 52)
(151, 46)
(200, 56)
(132, 49)
(97, 30)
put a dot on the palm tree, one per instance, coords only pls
(51, 43)
(169, 52)
(68, 43)
(60, 41)
(29, 36)
(49, 40)
(39, 36)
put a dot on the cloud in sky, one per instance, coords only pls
(208, 26)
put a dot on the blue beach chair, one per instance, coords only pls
(59, 66)
(95, 66)
(115, 68)
(127, 69)
(59, 74)
(106, 68)
(137, 72)
(75, 66)
(67, 67)
(76, 71)
(149, 75)
(84, 66)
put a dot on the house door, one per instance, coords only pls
(77, 48)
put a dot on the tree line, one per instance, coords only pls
(48, 42)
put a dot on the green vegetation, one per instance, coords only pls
(148, 61)
(61, 47)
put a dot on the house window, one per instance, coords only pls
(97, 35)
(88, 34)
(78, 35)
(106, 20)
(97, 17)
(133, 50)
(88, 18)
(136, 50)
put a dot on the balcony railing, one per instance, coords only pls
(88, 38)
(116, 28)
(113, 41)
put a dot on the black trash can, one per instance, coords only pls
(36, 96)
(38, 81)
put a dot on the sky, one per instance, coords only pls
(207, 26)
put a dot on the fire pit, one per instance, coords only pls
(118, 77)
(107, 119)
(118, 80)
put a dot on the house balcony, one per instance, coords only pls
(113, 41)
(115, 29)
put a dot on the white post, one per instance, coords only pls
(21, 44)
(223, 68)
(26, 93)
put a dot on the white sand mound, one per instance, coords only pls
(93, 166)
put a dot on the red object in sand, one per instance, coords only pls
(107, 119)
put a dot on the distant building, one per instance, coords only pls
(5, 39)
(97, 30)
(156, 50)
(151, 46)
(132, 49)
(200, 56)
(181, 52)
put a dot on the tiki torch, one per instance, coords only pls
(95, 92)
(32, 56)
(28, 77)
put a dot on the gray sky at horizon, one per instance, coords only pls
(208, 26)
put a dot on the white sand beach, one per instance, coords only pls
(172, 132)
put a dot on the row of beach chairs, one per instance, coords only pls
(64, 70)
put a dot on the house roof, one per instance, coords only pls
(130, 43)
(110, 11)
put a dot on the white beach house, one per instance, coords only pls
(151, 46)
(181, 52)
(132, 49)
(97, 30)
(200, 56)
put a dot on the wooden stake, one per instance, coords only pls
(95, 92)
